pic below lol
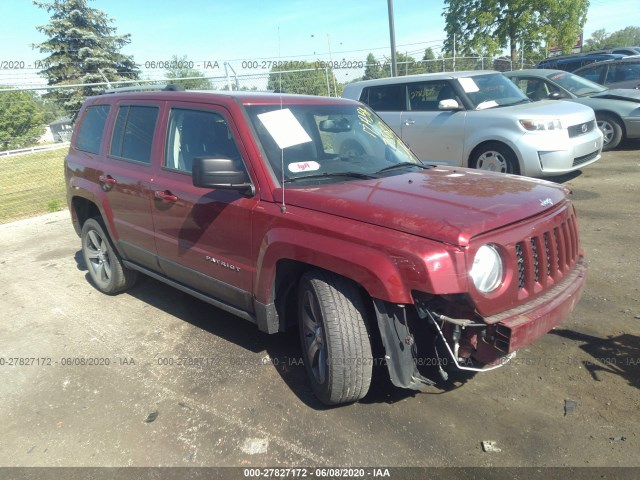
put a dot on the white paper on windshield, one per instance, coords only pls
(284, 128)
(468, 85)
(487, 104)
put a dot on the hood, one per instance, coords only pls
(620, 94)
(450, 205)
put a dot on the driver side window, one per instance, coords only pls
(196, 133)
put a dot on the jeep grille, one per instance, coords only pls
(553, 253)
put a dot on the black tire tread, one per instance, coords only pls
(346, 336)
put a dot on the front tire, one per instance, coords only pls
(105, 266)
(494, 157)
(611, 131)
(334, 337)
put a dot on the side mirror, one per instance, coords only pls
(448, 104)
(220, 173)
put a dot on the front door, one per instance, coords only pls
(203, 236)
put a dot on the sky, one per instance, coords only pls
(256, 31)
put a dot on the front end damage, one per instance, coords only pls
(440, 334)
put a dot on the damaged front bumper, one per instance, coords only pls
(412, 331)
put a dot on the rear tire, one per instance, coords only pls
(611, 130)
(334, 337)
(105, 266)
(494, 157)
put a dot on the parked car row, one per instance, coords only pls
(614, 68)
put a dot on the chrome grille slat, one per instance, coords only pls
(547, 256)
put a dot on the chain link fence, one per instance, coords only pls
(31, 178)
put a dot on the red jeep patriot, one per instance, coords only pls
(260, 205)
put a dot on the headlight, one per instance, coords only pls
(486, 271)
(541, 124)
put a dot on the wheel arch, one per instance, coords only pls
(616, 116)
(83, 209)
(285, 287)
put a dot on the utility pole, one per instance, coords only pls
(392, 34)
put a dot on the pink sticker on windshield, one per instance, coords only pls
(304, 167)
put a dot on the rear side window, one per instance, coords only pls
(593, 72)
(385, 98)
(133, 133)
(91, 129)
(623, 71)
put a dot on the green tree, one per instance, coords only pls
(487, 27)
(21, 120)
(564, 21)
(407, 65)
(307, 80)
(626, 37)
(373, 69)
(181, 67)
(82, 48)
(597, 41)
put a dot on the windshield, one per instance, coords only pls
(328, 143)
(491, 90)
(579, 86)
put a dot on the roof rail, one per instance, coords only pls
(142, 88)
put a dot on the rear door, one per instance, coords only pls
(203, 236)
(433, 134)
(126, 179)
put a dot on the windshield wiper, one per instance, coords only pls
(524, 100)
(331, 174)
(402, 165)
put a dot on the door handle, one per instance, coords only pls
(408, 121)
(166, 196)
(107, 182)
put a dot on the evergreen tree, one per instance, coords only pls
(82, 48)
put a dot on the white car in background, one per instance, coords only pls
(479, 120)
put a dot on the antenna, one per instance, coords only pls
(283, 207)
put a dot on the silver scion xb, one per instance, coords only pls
(480, 120)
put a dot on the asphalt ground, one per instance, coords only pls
(154, 377)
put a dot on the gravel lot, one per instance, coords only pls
(571, 399)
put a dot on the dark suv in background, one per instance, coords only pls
(572, 62)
